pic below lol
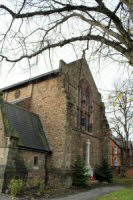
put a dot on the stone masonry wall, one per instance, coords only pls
(20, 164)
(71, 74)
(55, 99)
(3, 152)
(19, 93)
(48, 99)
(105, 135)
(37, 172)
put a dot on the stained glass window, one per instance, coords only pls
(84, 105)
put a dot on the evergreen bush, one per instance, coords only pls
(104, 172)
(80, 176)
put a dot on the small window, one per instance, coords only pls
(35, 161)
(17, 94)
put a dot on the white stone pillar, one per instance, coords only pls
(88, 166)
(88, 153)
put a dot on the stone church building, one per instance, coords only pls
(47, 121)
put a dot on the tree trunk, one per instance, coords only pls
(124, 164)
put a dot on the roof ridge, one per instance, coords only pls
(34, 78)
(21, 108)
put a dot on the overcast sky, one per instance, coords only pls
(105, 73)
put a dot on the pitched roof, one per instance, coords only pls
(26, 126)
(31, 80)
(120, 143)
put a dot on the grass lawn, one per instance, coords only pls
(125, 194)
(123, 181)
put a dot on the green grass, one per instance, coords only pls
(123, 181)
(125, 194)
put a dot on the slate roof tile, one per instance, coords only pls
(26, 126)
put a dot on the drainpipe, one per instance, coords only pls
(46, 170)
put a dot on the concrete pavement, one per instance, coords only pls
(91, 194)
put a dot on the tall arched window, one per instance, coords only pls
(84, 106)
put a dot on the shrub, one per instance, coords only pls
(80, 176)
(16, 187)
(104, 172)
(41, 187)
(35, 183)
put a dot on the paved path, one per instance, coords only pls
(90, 195)
(4, 197)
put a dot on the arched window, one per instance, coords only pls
(84, 106)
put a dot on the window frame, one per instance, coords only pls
(84, 105)
(36, 161)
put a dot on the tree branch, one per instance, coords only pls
(115, 45)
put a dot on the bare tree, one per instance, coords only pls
(121, 118)
(129, 4)
(29, 28)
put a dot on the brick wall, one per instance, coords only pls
(115, 155)
(129, 172)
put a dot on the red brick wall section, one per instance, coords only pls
(114, 154)
(129, 172)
